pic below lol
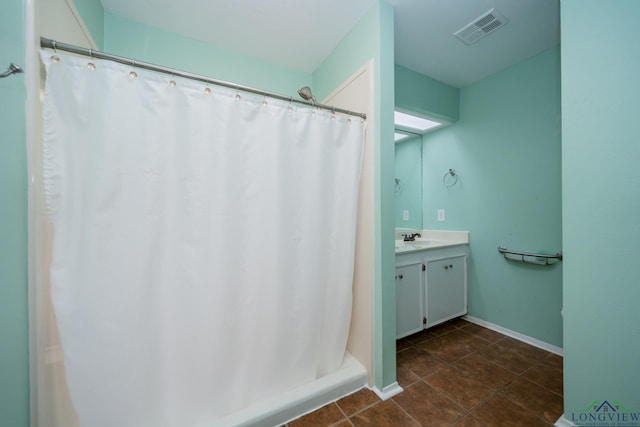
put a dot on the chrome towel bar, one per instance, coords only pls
(528, 257)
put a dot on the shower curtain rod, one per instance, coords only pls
(55, 45)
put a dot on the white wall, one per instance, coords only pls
(50, 402)
(356, 95)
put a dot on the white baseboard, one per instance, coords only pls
(389, 391)
(517, 335)
(563, 422)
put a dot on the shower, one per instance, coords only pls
(165, 259)
(13, 69)
(305, 93)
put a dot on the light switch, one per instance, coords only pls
(440, 215)
(405, 215)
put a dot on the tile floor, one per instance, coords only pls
(458, 374)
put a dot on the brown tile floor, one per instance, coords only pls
(458, 374)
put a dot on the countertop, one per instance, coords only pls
(429, 240)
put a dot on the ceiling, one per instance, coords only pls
(300, 34)
(424, 40)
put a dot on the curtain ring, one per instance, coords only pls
(55, 57)
(133, 73)
(90, 64)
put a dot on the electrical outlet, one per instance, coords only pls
(405, 215)
(440, 215)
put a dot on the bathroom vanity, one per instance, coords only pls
(431, 279)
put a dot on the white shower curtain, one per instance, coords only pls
(203, 242)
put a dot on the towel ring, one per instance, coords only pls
(450, 178)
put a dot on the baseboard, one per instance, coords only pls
(389, 391)
(563, 422)
(517, 335)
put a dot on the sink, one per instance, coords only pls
(416, 244)
(429, 240)
(419, 244)
(425, 242)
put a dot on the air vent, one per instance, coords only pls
(481, 26)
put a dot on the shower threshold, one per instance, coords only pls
(277, 410)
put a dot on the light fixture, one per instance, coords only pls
(409, 121)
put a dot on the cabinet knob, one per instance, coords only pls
(401, 276)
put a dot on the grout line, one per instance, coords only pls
(466, 412)
(495, 391)
(540, 385)
(527, 410)
(344, 414)
(405, 411)
(499, 391)
(340, 422)
(363, 409)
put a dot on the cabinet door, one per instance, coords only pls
(446, 289)
(409, 297)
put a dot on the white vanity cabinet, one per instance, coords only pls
(431, 287)
(445, 295)
(409, 299)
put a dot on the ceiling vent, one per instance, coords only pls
(481, 26)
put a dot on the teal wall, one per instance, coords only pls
(601, 202)
(372, 38)
(14, 355)
(92, 14)
(418, 93)
(135, 40)
(408, 193)
(506, 150)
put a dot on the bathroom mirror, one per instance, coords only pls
(408, 180)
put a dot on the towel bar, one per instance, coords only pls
(540, 259)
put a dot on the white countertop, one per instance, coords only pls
(430, 239)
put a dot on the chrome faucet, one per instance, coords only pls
(410, 237)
